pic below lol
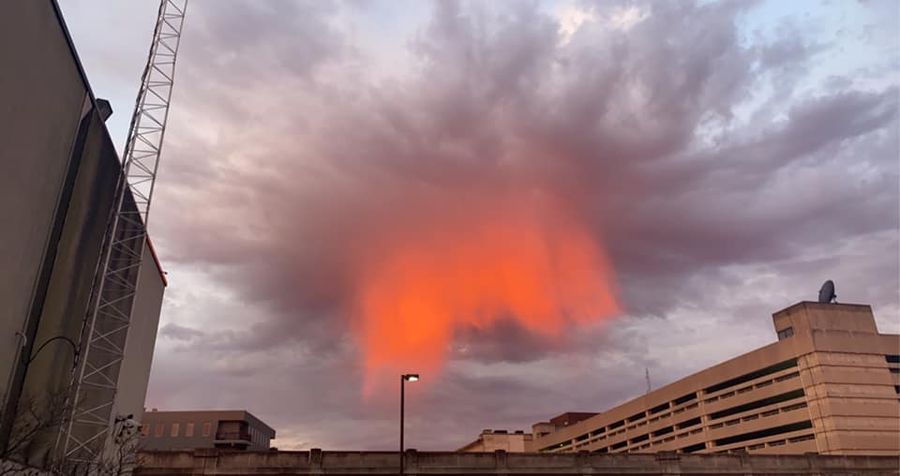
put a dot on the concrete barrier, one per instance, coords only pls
(249, 463)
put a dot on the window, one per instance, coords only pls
(752, 376)
(206, 428)
(688, 423)
(635, 417)
(892, 359)
(693, 448)
(158, 431)
(686, 398)
(175, 428)
(145, 430)
(785, 333)
(798, 439)
(764, 433)
(758, 404)
(189, 429)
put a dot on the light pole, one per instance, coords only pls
(403, 379)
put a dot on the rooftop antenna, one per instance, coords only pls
(105, 327)
(647, 377)
(826, 293)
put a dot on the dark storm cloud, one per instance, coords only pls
(590, 120)
(735, 205)
(285, 153)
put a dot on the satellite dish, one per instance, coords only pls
(826, 293)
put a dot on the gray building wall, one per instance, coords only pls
(65, 305)
(135, 369)
(58, 177)
(42, 101)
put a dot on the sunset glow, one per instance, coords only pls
(539, 207)
(527, 264)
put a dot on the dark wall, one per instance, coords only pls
(42, 96)
(78, 252)
(59, 174)
(58, 177)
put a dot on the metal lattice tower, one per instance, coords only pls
(107, 321)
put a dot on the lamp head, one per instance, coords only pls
(411, 377)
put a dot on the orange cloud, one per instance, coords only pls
(508, 259)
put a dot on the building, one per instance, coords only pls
(58, 176)
(829, 385)
(494, 440)
(561, 421)
(347, 463)
(179, 430)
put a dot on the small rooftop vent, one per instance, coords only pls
(104, 108)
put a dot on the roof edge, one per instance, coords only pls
(801, 304)
(162, 274)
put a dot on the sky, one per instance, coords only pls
(534, 204)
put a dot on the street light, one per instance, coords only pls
(403, 379)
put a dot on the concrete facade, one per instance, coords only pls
(232, 429)
(58, 176)
(43, 106)
(494, 440)
(286, 463)
(830, 385)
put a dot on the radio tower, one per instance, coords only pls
(106, 323)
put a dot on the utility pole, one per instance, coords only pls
(403, 379)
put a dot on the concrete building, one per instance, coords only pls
(559, 421)
(829, 385)
(339, 463)
(494, 440)
(58, 176)
(178, 430)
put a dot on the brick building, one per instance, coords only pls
(227, 429)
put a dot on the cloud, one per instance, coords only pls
(724, 174)
(176, 332)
